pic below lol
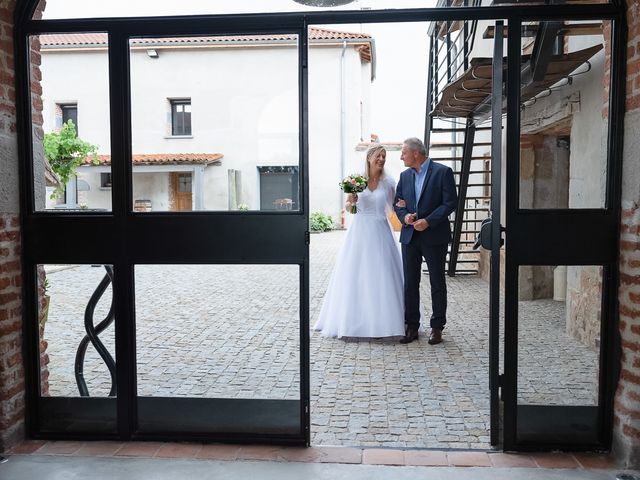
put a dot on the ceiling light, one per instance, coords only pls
(152, 53)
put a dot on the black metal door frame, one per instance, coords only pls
(111, 235)
(562, 237)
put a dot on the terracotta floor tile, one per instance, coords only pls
(509, 460)
(27, 447)
(468, 459)
(218, 452)
(60, 448)
(379, 456)
(139, 449)
(99, 449)
(259, 452)
(425, 458)
(596, 460)
(179, 450)
(555, 460)
(340, 455)
(301, 454)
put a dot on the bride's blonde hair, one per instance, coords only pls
(372, 153)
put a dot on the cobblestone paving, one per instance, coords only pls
(232, 331)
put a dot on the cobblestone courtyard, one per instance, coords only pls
(233, 331)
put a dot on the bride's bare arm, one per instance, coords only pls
(352, 199)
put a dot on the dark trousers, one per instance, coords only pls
(435, 256)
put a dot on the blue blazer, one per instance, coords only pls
(437, 201)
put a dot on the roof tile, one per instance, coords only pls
(163, 159)
(100, 39)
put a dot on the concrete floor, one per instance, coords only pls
(95, 468)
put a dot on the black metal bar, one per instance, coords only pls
(92, 337)
(509, 389)
(305, 373)
(429, 107)
(449, 46)
(122, 287)
(465, 168)
(30, 310)
(543, 49)
(182, 24)
(494, 283)
(610, 350)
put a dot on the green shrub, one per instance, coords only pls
(320, 222)
(65, 152)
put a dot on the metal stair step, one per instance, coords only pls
(461, 129)
(452, 145)
(475, 172)
(457, 159)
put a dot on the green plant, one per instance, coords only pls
(45, 285)
(243, 207)
(320, 222)
(65, 152)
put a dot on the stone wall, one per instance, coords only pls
(627, 401)
(12, 382)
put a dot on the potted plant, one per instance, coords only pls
(65, 152)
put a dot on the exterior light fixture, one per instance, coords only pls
(152, 53)
(323, 3)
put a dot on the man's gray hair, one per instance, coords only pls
(416, 145)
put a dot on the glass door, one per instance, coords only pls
(562, 222)
(220, 301)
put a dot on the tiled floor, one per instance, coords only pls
(342, 455)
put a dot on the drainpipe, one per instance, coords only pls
(343, 124)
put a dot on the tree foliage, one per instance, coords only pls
(65, 152)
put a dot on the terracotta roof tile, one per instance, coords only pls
(163, 159)
(100, 39)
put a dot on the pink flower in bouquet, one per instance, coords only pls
(354, 184)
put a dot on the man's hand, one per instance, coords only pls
(421, 225)
(409, 218)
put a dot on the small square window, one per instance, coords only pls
(68, 112)
(180, 117)
(105, 180)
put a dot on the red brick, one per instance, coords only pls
(629, 376)
(631, 432)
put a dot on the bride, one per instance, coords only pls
(365, 294)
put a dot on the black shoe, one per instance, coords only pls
(436, 336)
(410, 336)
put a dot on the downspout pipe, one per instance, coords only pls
(343, 124)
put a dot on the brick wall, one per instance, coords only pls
(627, 402)
(11, 368)
(12, 384)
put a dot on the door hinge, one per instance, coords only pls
(306, 409)
(307, 238)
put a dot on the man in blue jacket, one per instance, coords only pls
(429, 193)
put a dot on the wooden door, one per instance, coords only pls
(181, 192)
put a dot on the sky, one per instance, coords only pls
(399, 91)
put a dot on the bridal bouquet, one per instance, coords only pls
(353, 184)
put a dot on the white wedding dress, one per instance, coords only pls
(365, 293)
